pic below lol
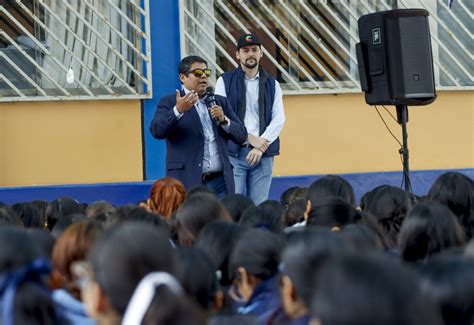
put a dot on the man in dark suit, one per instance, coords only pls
(196, 136)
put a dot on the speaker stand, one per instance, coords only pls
(402, 118)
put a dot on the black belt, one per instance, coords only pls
(206, 177)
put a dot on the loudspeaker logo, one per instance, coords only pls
(376, 36)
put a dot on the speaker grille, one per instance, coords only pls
(416, 59)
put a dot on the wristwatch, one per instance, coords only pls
(226, 121)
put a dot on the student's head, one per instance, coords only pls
(362, 238)
(24, 273)
(249, 51)
(65, 222)
(430, 227)
(159, 300)
(9, 217)
(255, 258)
(197, 211)
(99, 209)
(217, 240)
(166, 195)
(294, 213)
(198, 278)
(449, 281)
(390, 205)
(43, 240)
(333, 213)
(120, 257)
(72, 245)
(40, 206)
(194, 74)
(327, 187)
(236, 204)
(457, 192)
(61, 207)
(304, 253)
(366, 289)
(28, 215)
(291, 194)
(133, 213)
(268, 215)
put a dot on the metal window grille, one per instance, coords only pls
(310, 44)
(74, 49)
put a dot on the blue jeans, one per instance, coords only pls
(217, 185)
(252, 181)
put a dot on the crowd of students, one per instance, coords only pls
(315, 257)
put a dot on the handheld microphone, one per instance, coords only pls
(211, 101)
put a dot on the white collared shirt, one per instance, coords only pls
(212, 159)
(251, 119)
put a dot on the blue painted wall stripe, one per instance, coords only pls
(164, 25)
(124, 193)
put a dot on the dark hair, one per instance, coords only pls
(32, 303)
(294, 213)
(198, 276)
(305, 251)
(167, 307)
(268, 215)
(330, 186)
(43, 240)
(40, 206)
(98, 208)
(361, 238)
(217, 240)
(287, 194)
(258, 251)
(430, 227)
(9, 217)
(389, 205)
(197, 211)
(61, 207)
(28, 215)
(333, 212)
(65, 222)
(198, 189)
(457, 192)
(187, 62)
(369, 289)
(143, 249)
(133, 213)
(236, 204)
(450, 283)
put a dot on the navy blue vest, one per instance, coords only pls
(235, 92)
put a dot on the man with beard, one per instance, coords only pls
(256, 98)
(196, 136)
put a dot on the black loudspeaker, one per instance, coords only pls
(395, 59)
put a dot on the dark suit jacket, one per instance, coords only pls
(185, 141)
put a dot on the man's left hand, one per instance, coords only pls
(254, 156)
(217, 113)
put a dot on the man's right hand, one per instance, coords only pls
(186, 102)
(257, 142)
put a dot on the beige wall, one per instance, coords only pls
(342, 134)
(100, 141)
(70, 142)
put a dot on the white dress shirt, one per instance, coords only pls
(251, 119)
(212, 160)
